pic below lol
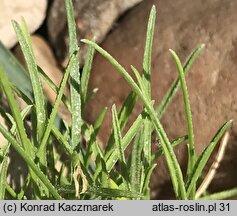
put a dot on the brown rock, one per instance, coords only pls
(94, 18)
(211, 81)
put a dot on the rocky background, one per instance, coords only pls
(180, 26)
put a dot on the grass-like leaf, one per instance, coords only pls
(191, 145)
(118, 143)
(64, 142)
(175, 85)
(147, 82)
(203, 158)
(98, 167)
(75, 79)
(21, 194)
(147, 141)
(148, 51)
(223, 195)
(145, 188)
(11, 192)
(113, 158)
(86, 74)
(140, 81)
(136, 161)
(123, 117)
(93, 146)
(114, 193)
(173, 143)
(99, 120)
(3, 176)
(39, 99)
(30, 162)
(4, 152)
(16, 113)
(20, 79)
(51, 120)
(55, 88)
(173, 165)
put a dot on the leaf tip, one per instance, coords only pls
(84, 40)
(153, 9)
(172, 52)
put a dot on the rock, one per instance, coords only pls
(211, 81)
(33, 12)
(94, 18)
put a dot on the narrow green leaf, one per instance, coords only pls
(113, 158)
(124, 73)
(140, 81)
(24, 113)
(99, 169)
(75, 107)
(173, 143)
(175, 85)
(30, 162)
(148, 50)
(54, 88)
(173, 165)
(93, 146)
(104, 175)
(5, 149)
(188, 114)
(26, 34)
(91, 94)
(24, 188)
(147, 180)
(118, 143)
(148, 129)
(136, 161)
(99, 120)
(65, 144)
(86, 74)
(39, 99)
(203, 158)
(123, 116)
(16, 113)
(223, 195)
(73, 45)
(126, 110)
(19, 77)
(12, 193)
(147, 83)
(117, 134)
(113, 193)
(3, 176)
(75, 79)
(51, 120)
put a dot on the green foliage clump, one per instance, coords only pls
(87, 171)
